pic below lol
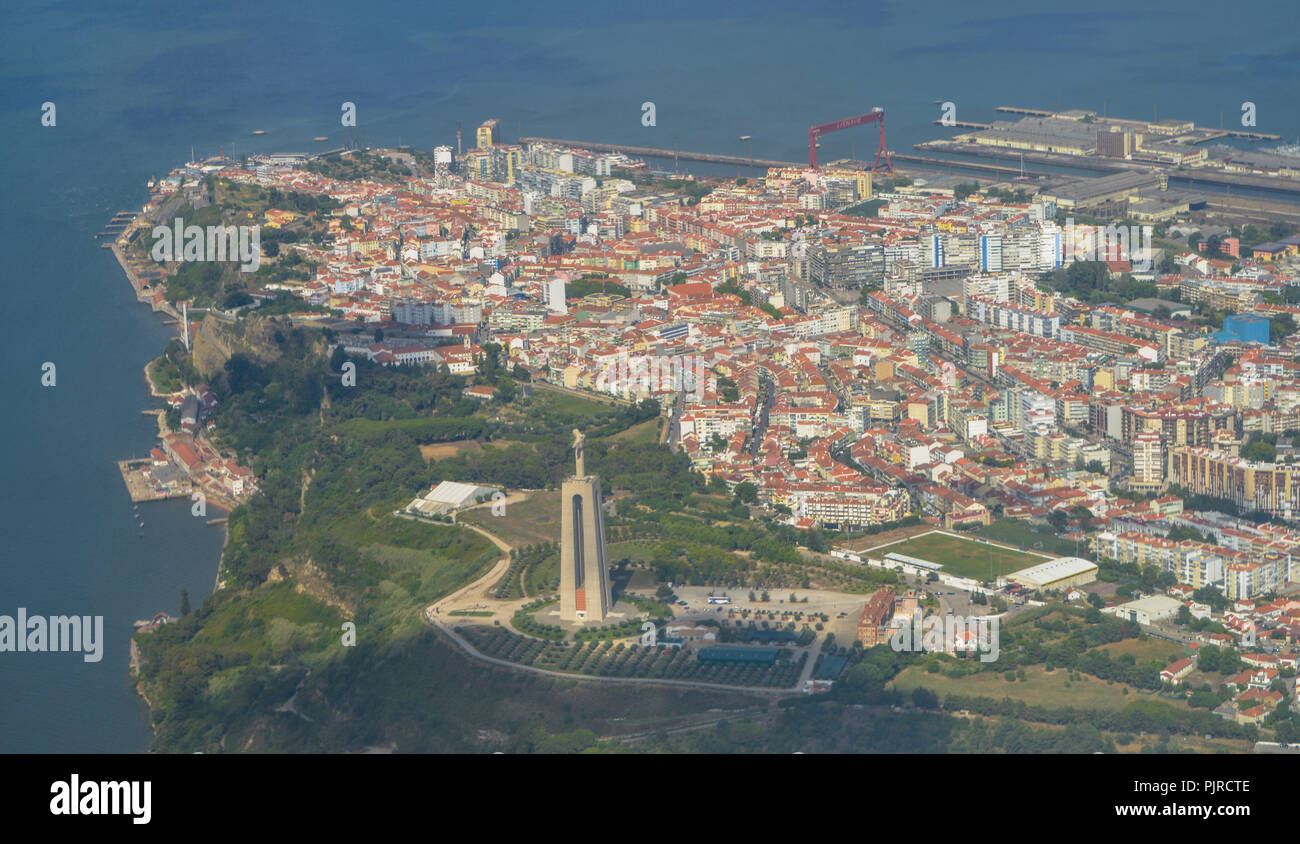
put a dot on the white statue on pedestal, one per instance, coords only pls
(577, 452)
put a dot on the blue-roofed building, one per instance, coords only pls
(831, 667)
(755, 634)
(1243, 328)
(675, 331)
(746, 655)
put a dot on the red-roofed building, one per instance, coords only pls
(1177, 671)
(873, 623)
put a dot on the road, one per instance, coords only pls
(673, 434)
(475, 597)
(766, 396)
(438, 623)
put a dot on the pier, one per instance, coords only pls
(1200, 175)
(944, 163)
(653, 152)
(1254, 136)
(120, 221)
(963, 124)
(1218, 133)
(1030, 112)
(142, 485)
(1025, 170)
(925, 162)
(1055, 159)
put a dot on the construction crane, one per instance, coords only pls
(877, 115)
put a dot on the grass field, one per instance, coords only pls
(1021, 534)
(636, 550)
(441, 451)
(1040, 688)
(1150, 649)
(963, 557)
(530, 522)
(569, 403)
(642, 432)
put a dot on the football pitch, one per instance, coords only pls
(963, 557)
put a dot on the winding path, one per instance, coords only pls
(475, 595)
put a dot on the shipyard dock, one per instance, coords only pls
(654, 152)
(1200, 175)
(918, 161)
(148, 480)
(1212, 134)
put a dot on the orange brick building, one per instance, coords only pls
(873, 624)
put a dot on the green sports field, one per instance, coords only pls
(963, 557)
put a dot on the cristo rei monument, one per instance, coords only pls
(584, 571)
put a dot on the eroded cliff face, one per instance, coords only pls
(219, 339)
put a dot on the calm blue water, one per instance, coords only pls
(136, 84)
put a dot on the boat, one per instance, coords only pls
(259, 131)
(320, 138)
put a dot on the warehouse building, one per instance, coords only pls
(448, 496)
(1147, 610)
(1057, 574)
(1116, 187)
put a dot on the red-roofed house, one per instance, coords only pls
(1176, 672)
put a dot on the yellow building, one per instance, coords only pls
(275, 218)
(863, 178)
(1269, 487)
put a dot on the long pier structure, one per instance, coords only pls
(1200, 175)
(115, 226)
(1217, 133)
(655, 152)
(926, 162)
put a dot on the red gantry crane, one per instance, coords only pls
(877, 115)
